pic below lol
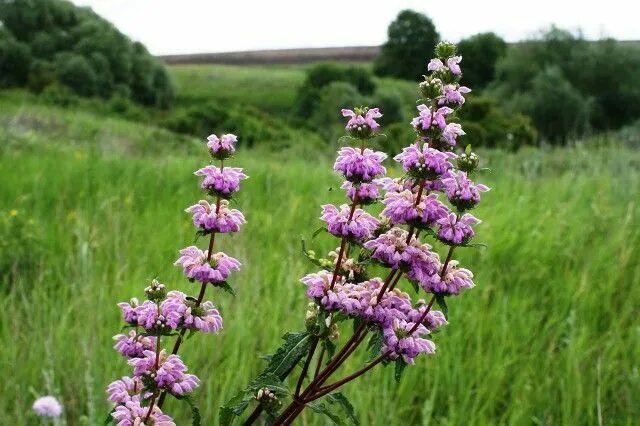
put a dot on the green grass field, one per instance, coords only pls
(91, 209)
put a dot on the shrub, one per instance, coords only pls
(333, 98)
(409, 38)
(321, 75)
(15, 61)
(87, 53)
(603, 85)
(481, 53)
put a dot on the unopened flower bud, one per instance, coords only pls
(268, 399)
(468, 161)
(431, 88)
(444, 49)
(311, 316)
(156, 292)
(334, 334)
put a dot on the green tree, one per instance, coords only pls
(558, 110)
(15, 61)
(412, 37)
(109, 64)
(480, 54)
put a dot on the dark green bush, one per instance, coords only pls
(78, 49)
(596, 82)
(322, 75)
(480, 54)
(488, 125)
(411, 40)
(15, 61)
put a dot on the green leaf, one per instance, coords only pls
(236, 405)
(330, 348)
(195, 412)
(357, 322)
(109, 420)
(322, 408)
(337, 408)
(318, 231)
(225, 286)
(442, 303)
(341, 400)
(374, 346)
(400, 366)
(288, 355)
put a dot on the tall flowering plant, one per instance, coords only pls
(425, 213)
(165, 315)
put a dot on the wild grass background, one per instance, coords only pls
(92, 209)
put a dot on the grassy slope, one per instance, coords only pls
(267, 87)
(549, 336)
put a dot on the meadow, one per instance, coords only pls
(91, 209)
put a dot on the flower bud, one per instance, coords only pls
(445, 49)
(468, 161)
(311, 317)
(334, 334)
(156, 292)
(268, 399)
(431, 88)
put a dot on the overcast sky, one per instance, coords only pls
(199, 26)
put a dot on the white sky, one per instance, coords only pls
(200, 26)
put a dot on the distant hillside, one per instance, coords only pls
(292, 56)
(282, 56)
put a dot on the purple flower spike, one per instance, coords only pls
(362, 122)
(222, 147)
(451, 132)
(457, 231)
(367, 193)
(461, 190)
(195, 265)
(453, 95)
(121, 391)
(213, 218)
(402, 344)
(360, 165)
(222, 182)
(452, 63)
(428, 119)
(133, 345)
(341, 223)
(132, 413)
(400, 207)
(390, 248)
(425, 162)
(208, 321)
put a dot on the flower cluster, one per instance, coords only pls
(433, 197)
(157, 373)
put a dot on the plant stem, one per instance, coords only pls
(319, 363)
(330, 388)
(303, 374)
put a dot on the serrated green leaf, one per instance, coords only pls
(442, 303)
(225, 286)
(357, 322)
(109, 420)
(337, 408)
(374, 345)
(288, 355)
(322, 408)
(338, 398)
(400, 366)
(195, 412)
